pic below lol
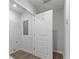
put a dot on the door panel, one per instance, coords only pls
(42, 29)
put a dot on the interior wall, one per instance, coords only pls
(26, 41)
(14, 30)
(58, 31)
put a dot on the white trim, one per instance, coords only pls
(22, 50)
(29, 52)
(58, 52)
(14, 51)
(26, 50)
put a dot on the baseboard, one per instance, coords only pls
(58, 52)
(14, 51)
(22, 50)
(32, 52)
(26, 50)
(29, 52)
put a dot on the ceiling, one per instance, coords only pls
(51, 4)
(39, 5)
(18, 8)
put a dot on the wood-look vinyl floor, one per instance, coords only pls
(24, 55)
(57, 55)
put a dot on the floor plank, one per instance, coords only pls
(24, 55)
(57, 55)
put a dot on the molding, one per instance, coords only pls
(14, 51)
(22, 50)
(26, 50)
(29, 51)
(32, 52)
(58, 52)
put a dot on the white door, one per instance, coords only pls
(43, 38)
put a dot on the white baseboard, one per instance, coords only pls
(58, 52)
(14, 51)
(26, 50)
(22, 50)
(32, 52)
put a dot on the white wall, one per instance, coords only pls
(67, 28)
(58, 34)
(14, 30)
(26, 41)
